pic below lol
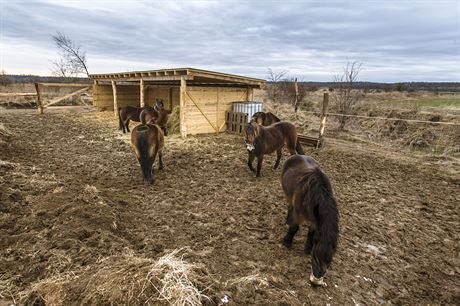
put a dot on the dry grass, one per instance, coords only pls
(126, 280)
(173, 124)
(5, 134)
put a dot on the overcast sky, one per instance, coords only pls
(402, 40)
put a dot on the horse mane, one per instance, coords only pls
(274, 116)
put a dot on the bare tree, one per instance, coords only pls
(73, 58)
(275, 78)
(62, 69)
(4, 80)
(287, 92)
(345, 96)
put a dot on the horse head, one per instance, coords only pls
(258, 117)
(159, 105)
(251, 132)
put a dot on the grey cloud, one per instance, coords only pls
(396, 40)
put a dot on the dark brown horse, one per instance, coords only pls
(310, 200)
(262, 140)
(264, 119)
(147, 140)
(127, 113)
(157, 115)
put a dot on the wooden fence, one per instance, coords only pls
(40, 103)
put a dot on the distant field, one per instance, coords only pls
(453, 101)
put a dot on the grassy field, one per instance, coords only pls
(451, 101)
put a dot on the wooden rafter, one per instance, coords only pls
(178, 74)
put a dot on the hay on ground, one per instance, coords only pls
(126, 280)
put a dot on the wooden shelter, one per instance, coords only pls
(202, 96)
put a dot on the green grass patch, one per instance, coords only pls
(427, 102)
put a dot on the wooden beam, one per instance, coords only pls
(115, 98)
(150, 78)
(201, 111)
(95, 84)
(65, 84)
(17, 94)
(183, 90)
(322, 125)
(226, 78)
(249, 94)
(170, 98)
(39, 99)
(217, 111)
(142, 90)
(54, 101)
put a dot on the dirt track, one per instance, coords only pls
(71, 193)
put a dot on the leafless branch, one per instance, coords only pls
(345, 96)
(73, 58)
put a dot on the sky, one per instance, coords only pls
(395, 40)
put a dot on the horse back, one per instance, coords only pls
(147, 135)
(297, 172)
(270, 118)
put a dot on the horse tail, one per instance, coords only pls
(143, 148)
(298, 148)
(120, 122)
(322, 203)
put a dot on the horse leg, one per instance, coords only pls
(287, 241)
(151, 179)
(127, 125)
(291, 148)
(278, 158)
(309, 241)
(123, 126)
(260, 159)
(160, 158)
(250, 161)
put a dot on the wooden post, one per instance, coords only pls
(115, 98)
(142, 89)
(95, 84)
(183, 90)
(296, 101)
(322, 125)
(217, 112)
(170, 98)
(39, 99)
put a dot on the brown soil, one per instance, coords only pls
(72, 195)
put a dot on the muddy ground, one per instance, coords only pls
(71, 194)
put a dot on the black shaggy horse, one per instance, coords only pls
(310, 200)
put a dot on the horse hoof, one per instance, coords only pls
(287, 244)
(317, 281)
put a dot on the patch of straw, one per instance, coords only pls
(126, 280)
(173, 124)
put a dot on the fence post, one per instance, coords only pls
(322, 125)
(39, 99)
(296, 101)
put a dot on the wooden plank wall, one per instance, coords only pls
(206, 98)
(127, 95)
(170, 96)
